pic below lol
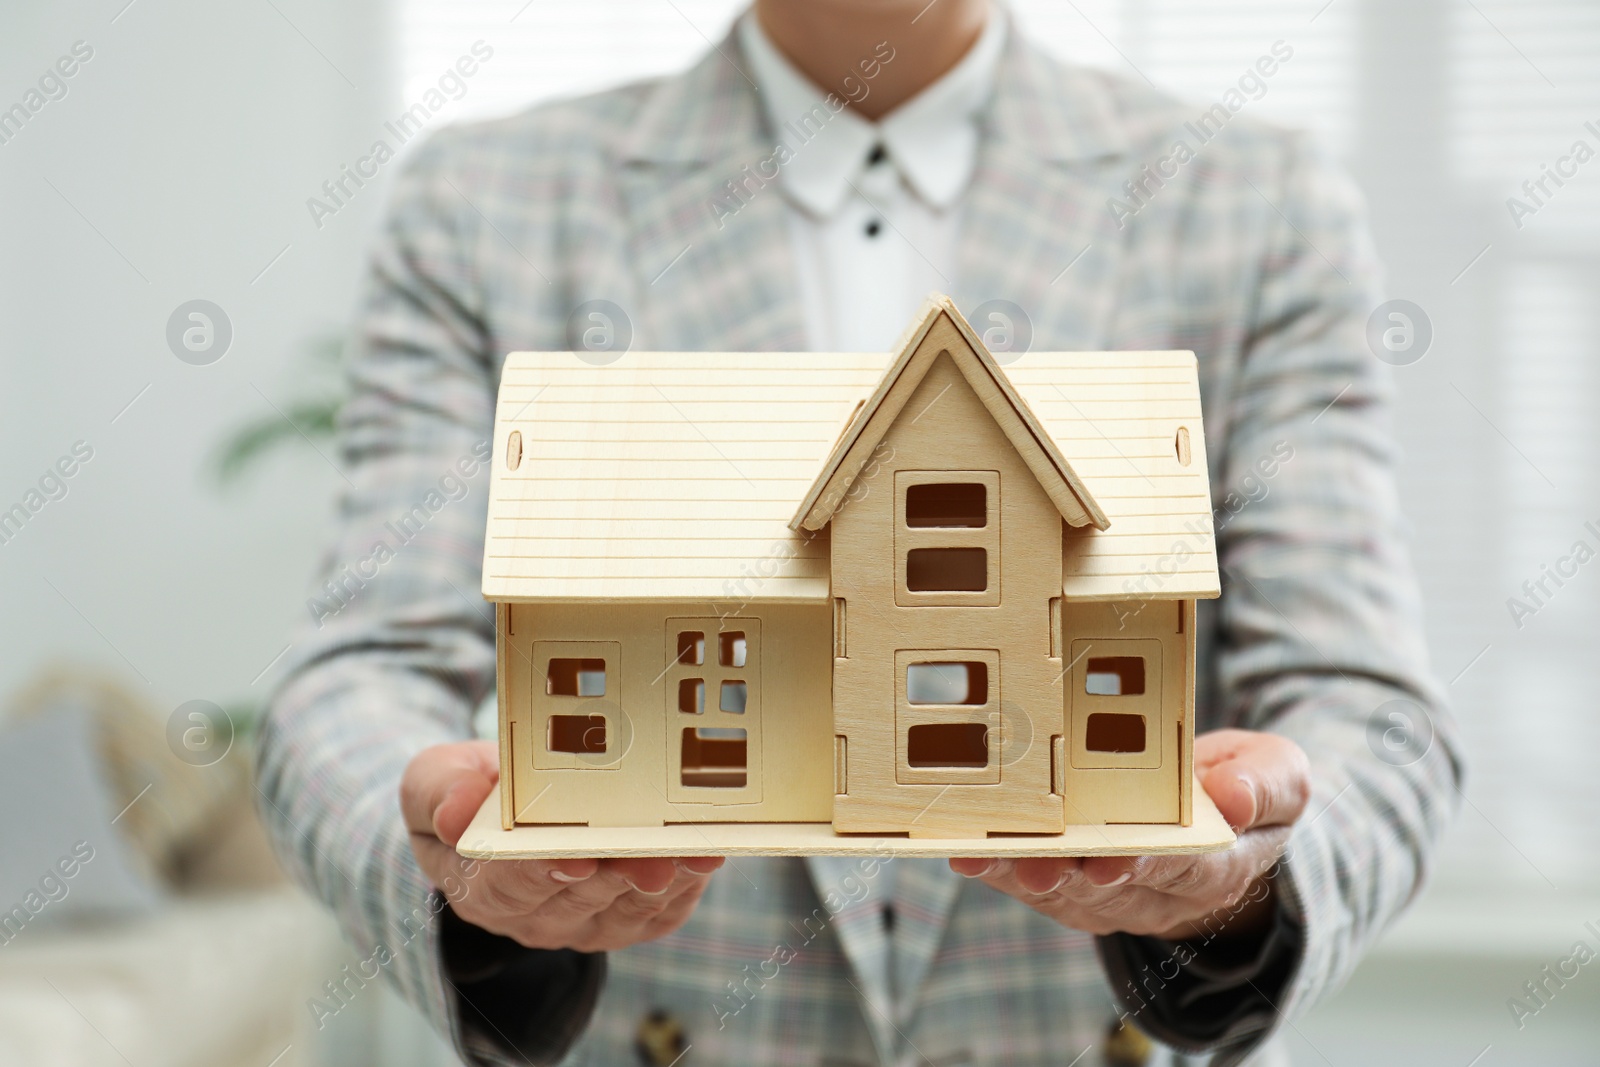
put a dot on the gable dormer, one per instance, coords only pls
(941, 333)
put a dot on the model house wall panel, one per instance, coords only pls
(944, 427)
(629, 785)
(1118, 786)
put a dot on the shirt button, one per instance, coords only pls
(873, 228)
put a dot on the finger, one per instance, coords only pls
(1233, 895)
(629, 923)
(584, 899)
(1041, 875)
(615, 912)
(490, 895)
(700, 865)
(619, 877)
(1257, 854)
(1034, 875)
(444, 786)
(1076, 903)
(438, 860)
(651, 875)
(535, 881)
(637, 887)
(633, 910)
(674, 915)
(1108, 872)
(972, 866)
(1175, 875)
(1265, 781)
(1073, 902)
(503, 890)
(1217, 746)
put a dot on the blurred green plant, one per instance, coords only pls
(306, 419)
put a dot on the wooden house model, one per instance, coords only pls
(767, 601)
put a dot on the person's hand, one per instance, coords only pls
(1259, 781)
(586, 904)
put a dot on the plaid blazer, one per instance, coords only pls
(1253, 254)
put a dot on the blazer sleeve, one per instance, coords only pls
(1317, 635)
(398, 647)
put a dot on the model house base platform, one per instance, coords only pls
(485, 840)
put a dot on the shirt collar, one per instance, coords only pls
(931, 139)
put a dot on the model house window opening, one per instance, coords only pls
(947, 505)
(947, 570)
(692, 647)
(947, 683)
(947, 716)
(1114, 676)
(1115, 731)
(571, 717)
(583, 735)
(569, 677)
(714, 757)
(948, 744)
(948, 537)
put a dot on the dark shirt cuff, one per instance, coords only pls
(516, 1004)
(1213, 993)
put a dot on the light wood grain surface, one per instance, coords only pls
(485, 839)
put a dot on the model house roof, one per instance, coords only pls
(698, 475)
(916, 353)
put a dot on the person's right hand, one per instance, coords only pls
(585, 904)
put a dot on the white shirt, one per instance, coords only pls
(873, 233)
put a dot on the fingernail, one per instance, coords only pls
(1061, 880)
(1122, 879)
(1255, 798)
(988, 869)
(563, 876)
(649, 893)
(685, 868)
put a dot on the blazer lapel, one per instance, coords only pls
(850, 888)
(711, 259)
(924, 892)
(1036, 231)
(889, 967)
(713, 268)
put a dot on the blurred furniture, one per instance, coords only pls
(211, 980)
(211, 963)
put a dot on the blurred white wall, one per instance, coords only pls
(176, 167)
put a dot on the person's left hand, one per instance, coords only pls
(1259, 781)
